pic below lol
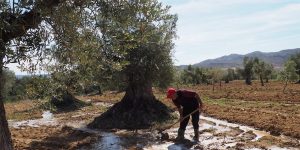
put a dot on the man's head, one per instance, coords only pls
(171, 93)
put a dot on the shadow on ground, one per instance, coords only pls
(65, 138)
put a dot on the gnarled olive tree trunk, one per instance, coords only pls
(5, 137)
(138, 109)
(137, 94)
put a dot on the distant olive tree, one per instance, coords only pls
(262, 70)
(216, 75)
(187, 75)
(296, 59)
(289, 73)
(248, 70)
(239, 74)
(269, 70)
(229, 75)
(258, 69)
(194, 75)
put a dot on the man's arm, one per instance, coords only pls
(179, 108)
(200, 101)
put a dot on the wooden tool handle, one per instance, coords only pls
(180, 120)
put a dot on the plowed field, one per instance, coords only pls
(264, 107)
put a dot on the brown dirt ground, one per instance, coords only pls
(46, 137)
(23, 110)
(61, 136)
(266, 108)
(272, 91)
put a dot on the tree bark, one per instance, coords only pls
(5, 136)
(19, 26)
(137, 110)
(135, 94)
(285, 85)
(248, 80)
(261, 80)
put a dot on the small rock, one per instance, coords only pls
(199, 147)
(165, 136)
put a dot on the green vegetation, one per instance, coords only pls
(289, 74)
(252, 67)
(122, 45)
(144, 31)
(296, 60)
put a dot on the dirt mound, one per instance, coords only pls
(66, 102)
(124, 115)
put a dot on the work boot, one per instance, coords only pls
(180, 135)
(196, 137)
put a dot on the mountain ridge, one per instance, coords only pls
(277, 59)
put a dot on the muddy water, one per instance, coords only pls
(47, 120)
(108, 141)
(222, 123)
(214, 134)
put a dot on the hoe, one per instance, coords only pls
(165, 136)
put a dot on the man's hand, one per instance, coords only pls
(201, 107)
(180, 117)
(180, 113)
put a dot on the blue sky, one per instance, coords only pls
(213, 28)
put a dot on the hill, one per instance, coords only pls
(236, 60)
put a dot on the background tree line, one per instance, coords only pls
(43, 86)
(253, 69)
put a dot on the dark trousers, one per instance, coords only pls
(195, 118)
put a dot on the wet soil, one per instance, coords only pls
(64, 130)
(265, 108)
(214, 134)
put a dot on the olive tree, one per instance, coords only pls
(296, 59)
(144, 31)
(259, 68)
(26, 31)
(216, 75)
(289, 73)
(248, 70)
